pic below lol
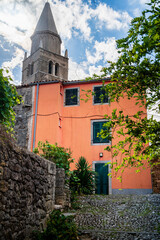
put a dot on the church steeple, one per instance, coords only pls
(46, 21)
(45, 62)
(45, 34)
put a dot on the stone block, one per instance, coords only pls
(49, 205)
(59, 191)
(30, 187)
(17, 168)
(60, 182)
(3, 186)
(7, 173)
(1, 172)
(60, 173)
(51, 168)
(16, 176)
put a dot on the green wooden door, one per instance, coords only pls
(102, 178)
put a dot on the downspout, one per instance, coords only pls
(35, 119)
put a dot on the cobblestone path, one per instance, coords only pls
(119, 217)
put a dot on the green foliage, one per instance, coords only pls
(136, 75)
(58, 227)
(59, 155)
(8, 99)
(137, 70)
(82, 179)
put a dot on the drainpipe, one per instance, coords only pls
(35, 119)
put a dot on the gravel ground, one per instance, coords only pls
(119, 217)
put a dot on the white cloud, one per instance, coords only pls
(105, 51)
(15, 61)
(3, 48)
(18, 20)
(112, 19)
(95, 70)
(137, 12)
(72, 14)
(77, 71)
(143, 2)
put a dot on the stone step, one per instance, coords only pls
(58, 207)
(69, 214)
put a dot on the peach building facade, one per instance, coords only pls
(59, 115)
(72, 126)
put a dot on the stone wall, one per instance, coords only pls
(24, 111)
(156, 177)
(62, 192)
(27, 190)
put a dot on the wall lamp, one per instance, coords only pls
(101, 154)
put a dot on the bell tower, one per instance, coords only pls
(45, 61)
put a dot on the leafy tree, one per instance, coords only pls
(136, 74)
(8, 99)
(82, 179)
(59, 155)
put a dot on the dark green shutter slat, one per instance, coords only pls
(96, 130)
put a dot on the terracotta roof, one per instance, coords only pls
(86, 81)
(64, 82)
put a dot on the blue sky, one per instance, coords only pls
(88, 29)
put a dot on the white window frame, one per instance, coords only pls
(97, 120)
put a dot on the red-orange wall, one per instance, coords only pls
(74, 132)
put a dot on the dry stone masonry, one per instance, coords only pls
(27, 190)
(62, 192)
(24, 111)
(156, 177)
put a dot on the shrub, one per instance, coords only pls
(82, 179)
(59, 155)
(58, 227)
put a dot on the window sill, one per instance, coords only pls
(101, 103)
(98, 144)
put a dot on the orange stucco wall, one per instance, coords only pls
(73, 130)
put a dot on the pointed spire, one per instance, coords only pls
(46, 21)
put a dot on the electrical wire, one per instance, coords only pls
(74, 117)
(46, 115)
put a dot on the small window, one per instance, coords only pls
(28, 70)
(100, 95)
(50, 67)
(56, 69)
(97, 126)
(71, 96)
(32, 68)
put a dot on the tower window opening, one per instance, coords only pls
(50, 67)
(28, 70)
(56, 69)
(32, 68)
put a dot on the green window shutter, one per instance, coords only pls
(97, 127)
(100, 95)
(102, 181)
(71, 97)
(96, 130)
